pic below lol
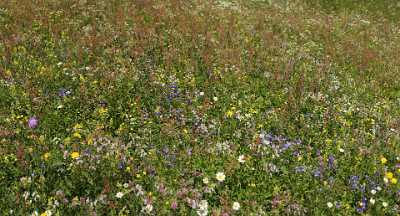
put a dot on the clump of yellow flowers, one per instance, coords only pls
(75, 155)
(389, 177)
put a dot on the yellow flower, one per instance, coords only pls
(43, 214)
(229, 113)
(393, 180)
(383, 160)
(78, 126)
(389, 175)
(74, 155)
(77, 135)
(46, 156)
(102, 110)
(90, 141)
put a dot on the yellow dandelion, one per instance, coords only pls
(393, 180)
(102, 110)
(77, 135)
(389, 175)
(46, 156)
(74, 155)
(90, 141)
(229, 113)
(383, 160)
(77, 126)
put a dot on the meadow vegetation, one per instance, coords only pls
(195, 107)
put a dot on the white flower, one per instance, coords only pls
(220, 176)
(203, 208)
(385, 204)
(373, 191)
(386, 180)
(203, 205)
(236, 206)
(48, 213)
(372, 201)
(148, 208)
(126, 185)
(119, 195)
(242, 159)
(329, 204)
(201, 93)
(341, 150)
(202, 213)
(379, 188)
(205, 180)
(215, 99)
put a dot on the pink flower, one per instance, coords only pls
(33, 122)
(174, 205)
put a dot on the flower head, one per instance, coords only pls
(174, 205)
(75, 155)
(236, 206)
(220, 176)
(389, 175)
(242, 159)
(46, 156)
(33, 122)
(119, 195)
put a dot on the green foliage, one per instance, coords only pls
(199, 107)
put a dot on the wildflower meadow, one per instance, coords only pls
(199, 107)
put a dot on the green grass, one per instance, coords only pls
(141, 103)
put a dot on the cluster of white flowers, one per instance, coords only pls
(203, 208)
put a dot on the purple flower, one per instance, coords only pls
(300, 169)
(354, 182)
(103, 103)
(173, 92)
(121, 165)
(63, 92)
(317, 173)
(33, 122)
(362, 205)
(331, 162)
(174, 205)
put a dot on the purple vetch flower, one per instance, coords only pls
(286, 146)
(354, 182)
(173, 92)
(362, 205)
(103, 103)
(317, 173)
(63, 92)
(331, 162)
(33, 122)
(296, 154)
(300, 169)
(121, 165)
